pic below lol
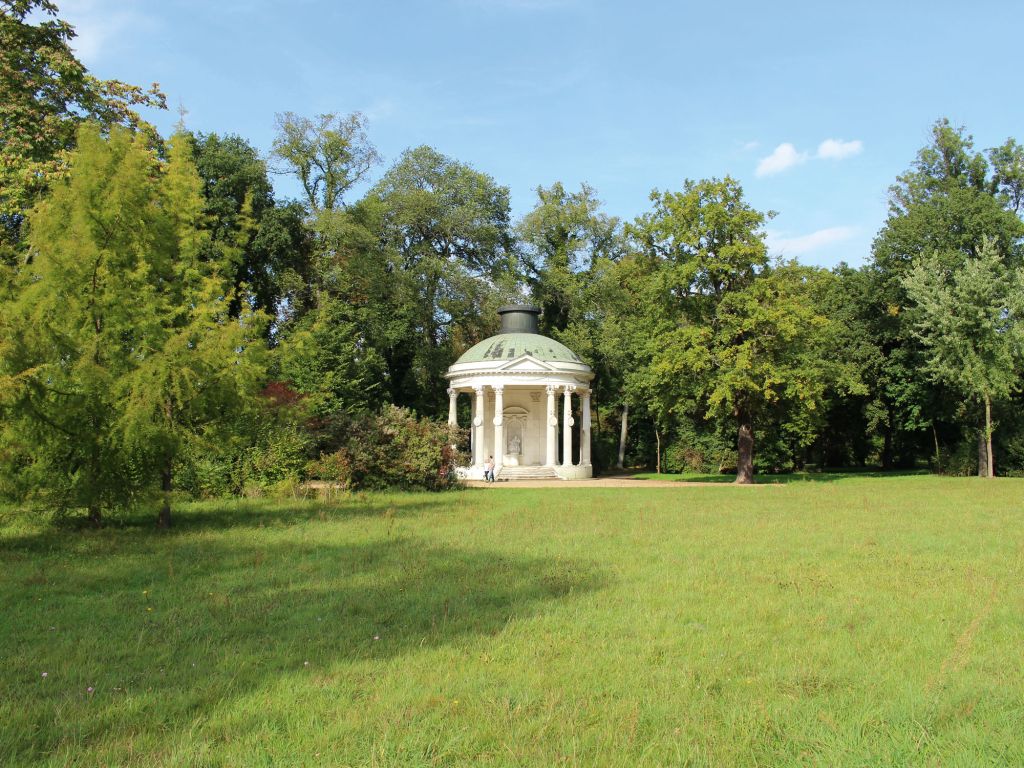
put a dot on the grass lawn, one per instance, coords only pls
(866, 621)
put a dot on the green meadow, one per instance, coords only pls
(856, 621)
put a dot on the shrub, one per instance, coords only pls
(280, 455)
(698, 450)
(392, 449)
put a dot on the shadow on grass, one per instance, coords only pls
(45, 532)
(168, 631)
(782, 479)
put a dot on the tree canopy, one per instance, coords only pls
(45, 94)
(170, 326)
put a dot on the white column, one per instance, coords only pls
(453, 397)
(567, 423)
(499, 428)
(552, 428)
(479, 449)
(585, 431)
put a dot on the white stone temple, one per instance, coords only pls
(519, 383)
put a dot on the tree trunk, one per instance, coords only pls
(163, 520)
(657, 440)
(622, 437)
(938, 454)
(745, 448)
(982, 454)
(988, 436)
(887, 446)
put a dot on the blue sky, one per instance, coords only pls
(815, 107)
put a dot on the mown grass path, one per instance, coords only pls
(864, 621)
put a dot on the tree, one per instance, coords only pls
(1008, 174)
(971, 322)
(946, 204)
(266, 246)
(694, 248)
(568, 247)
(119, 346)
(327, 359)
(564, 237)
(445, 236)
(769, 343)
(725, 332)
(45, 94)
(328, 153)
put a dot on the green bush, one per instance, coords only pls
(960, 460)
(280, 455)
(205, 473)
(698, 450)
(269, 447)
(392, 449)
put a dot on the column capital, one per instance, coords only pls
(569, 388)
(478, 388)
(551, 389)
(498, 388)
(452, 392)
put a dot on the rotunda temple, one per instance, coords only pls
(516, 381)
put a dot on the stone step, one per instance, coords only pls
(527, 473)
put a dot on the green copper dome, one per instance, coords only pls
(508, 346)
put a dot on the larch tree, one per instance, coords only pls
(119, 346)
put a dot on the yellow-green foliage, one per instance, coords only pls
(118, 345)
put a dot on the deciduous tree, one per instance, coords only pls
(328, 153)
(45, 93)
(971, 322)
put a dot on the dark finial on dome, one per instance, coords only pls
(519, 318)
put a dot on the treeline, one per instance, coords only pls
(168, 325)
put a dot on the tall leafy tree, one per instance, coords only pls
(119, 346)
(328, 153)
(693, 248)
(949, 201)
(971, 322)
(45, 93)
(564, 238)
(726, 330)
(445, 231)
(769, 344)
(264, 242)
(568, 246)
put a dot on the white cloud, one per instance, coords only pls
(750, 146)
(837, 149)
(785, 156)
(98, 26)
(807, 244)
